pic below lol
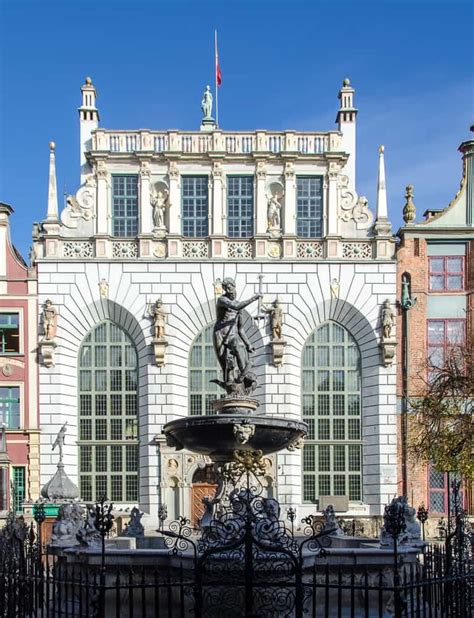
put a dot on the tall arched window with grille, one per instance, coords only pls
(203, 367)
(331, 398)
(108, 416)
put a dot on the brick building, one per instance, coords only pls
(166, 215)
(436, 254)
(19, 442)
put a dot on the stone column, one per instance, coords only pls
(217, 204)
(175, 199)
(332, 205)
(289, 211)
(145, 207)
(103, 206)
(260, 199)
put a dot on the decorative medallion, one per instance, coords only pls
(160, 250)
(274, 250)
(7, 370)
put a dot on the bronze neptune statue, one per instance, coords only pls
(231, 344)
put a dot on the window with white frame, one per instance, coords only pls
(10, 333)
(203, 367)
(443, 336)
(240, 206)
(446, 273)
(124, 205)
(194, 206)
(108, 416)
(309, 206)
(331, 402)
(10, 406)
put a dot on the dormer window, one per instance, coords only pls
(124, 206)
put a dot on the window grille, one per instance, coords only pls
(124, 206)
(240, 206)
(331, 392)
(195, 206)
(10, 407)
(309, 206)
(108, 424)
(9, 333)
(203, 367)
(446, 273)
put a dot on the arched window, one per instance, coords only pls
(203, 367)
(331, 397)
(108, 421)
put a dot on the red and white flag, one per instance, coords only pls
(218, 67)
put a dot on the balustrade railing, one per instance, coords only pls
(215, 141)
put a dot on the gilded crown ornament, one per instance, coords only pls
(409, 211)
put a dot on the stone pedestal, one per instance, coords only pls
(47, 348)
(159, 351)
(278, 348)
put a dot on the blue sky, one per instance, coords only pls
(410, 61)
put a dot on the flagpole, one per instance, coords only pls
(215, 78)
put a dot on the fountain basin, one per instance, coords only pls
(218, 436)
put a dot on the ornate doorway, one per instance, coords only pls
(204, 485)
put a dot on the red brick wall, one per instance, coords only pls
(412, 259)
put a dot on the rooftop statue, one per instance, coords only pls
(206, 103)
(231, 344)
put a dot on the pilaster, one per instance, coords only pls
(175, 199)
(145, 207)
(289, 210)
(103, 208)
(260, 199)
(217, 200)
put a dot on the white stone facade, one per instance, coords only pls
(77, 252)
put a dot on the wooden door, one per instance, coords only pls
(200, 491)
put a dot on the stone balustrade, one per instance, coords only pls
(217, 141)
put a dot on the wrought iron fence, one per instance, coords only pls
(246, 562)
(47, 586)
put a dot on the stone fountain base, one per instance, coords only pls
(220, 435)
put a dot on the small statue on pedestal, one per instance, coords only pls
(159, 342)
(276, 323)
(388, 342)
(59, 442)
(50, 318)
(388, 319)
(159, 319)
(276, 319)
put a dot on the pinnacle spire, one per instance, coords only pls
(382, 224)
(52, 215)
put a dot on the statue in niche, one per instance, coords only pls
(388, 319)
(159, 202)
(59, 442)
(231, 344)
(273, 213)
(276, 319)
(158, 315)
(50, 319)
(206, 103)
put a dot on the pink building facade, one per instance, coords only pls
(19, 443)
